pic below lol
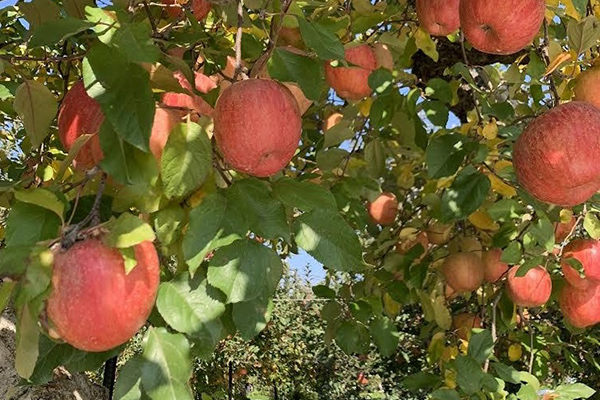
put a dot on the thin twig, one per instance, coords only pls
(546, 55)
(150, 18)
(238, 39)
(39, 59)
(530, 327)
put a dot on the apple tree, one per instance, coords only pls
(159, 161)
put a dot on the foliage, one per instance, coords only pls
(438, 132)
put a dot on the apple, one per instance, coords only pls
(438, 17)
(501, 27)
(439, 233)
(200, 8)
(463, 271)
(384, 209)
(94, 305)
(494, 267)
(587, 86)
(531, 290)
(587, 252)
(257, 126)
(406, 244)
(191, 101)
(463, 323)
(581, 307)
(352, 82)
(80, 114)
(562, 229)
(165, 120)
(466, 245)
(555, 158)
(449, 292)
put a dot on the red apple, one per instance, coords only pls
(384, 209)
(438, 17)
(439, 233)
(587, 86)
(405, 245)
(80, 114)
(257, 126)
(352, 82)
(531, 290)
(164, 121)
(581, 307)
(587, 252)
(191, 101)
(501, 27)
(494, 268)
(200, 8)
(463, 323)
(555, 158)
(463, 271)
(562, 229)
(94, 305)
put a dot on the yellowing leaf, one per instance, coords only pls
(490, 130)
(570, 9)
(425, 43)
(556, 62)
(365, 106)
(406, 179)
(450, 379)
(443, 183)
(391, 306)
(482, 220)
(515, 351)
(450, 353)
(500, 187)
(463, 346)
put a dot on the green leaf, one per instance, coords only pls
(529, 264)
(381, 80)
(135, 42)
(465, 195)
(441, 313)
(6, 289)
(186, 160)
(583, 34)
(353, 337)
(263, 214)
(543, 231)
(244, 270)
(286, 66)
(27, 343)
(129, 380)
(329, 239)
(385, 334)
(124, 162)
(305, 196)
(37, 12)
(337, 134)
(167, 365)
(506, 209)
(437, 112)
(36, 107)
(527, 392)
(469, 374)
(591, 224)
(439, 89)
(43, 198)
(167, 223)
(251, 317)
(28, 224)
(123, 91)
(127, 231)
(481, 346)
(5, 92)
(76, 8)
(445, 154)
(324, 43)
(421, 380)
(512, 254)
(192, 306)
(573, 391)
(445, 394)
(214, 223)
(55, 31)
(375, 156)
(129, 259)
(507, 373)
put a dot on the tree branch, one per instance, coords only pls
(150, 18)
(38, 59)
(238, 39)
(546, 56)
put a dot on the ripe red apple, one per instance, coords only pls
(80, 114)
(555, 158)
(165, 120)
(501, 27)
(403, 246)
(191, 101)
(587, 252)
(463, 323)
(562, 229)
(463, 271)
(200, 8)
(257, 126)
(531, 290)
(494, 267)
(587, 86)
(581, 307)
(362, 379)
(352, 82)
(438, 17)
(439, 233)
(384, 209)
(94, 305)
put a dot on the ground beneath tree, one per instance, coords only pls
(64, 386)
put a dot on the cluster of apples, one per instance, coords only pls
(491, 27)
